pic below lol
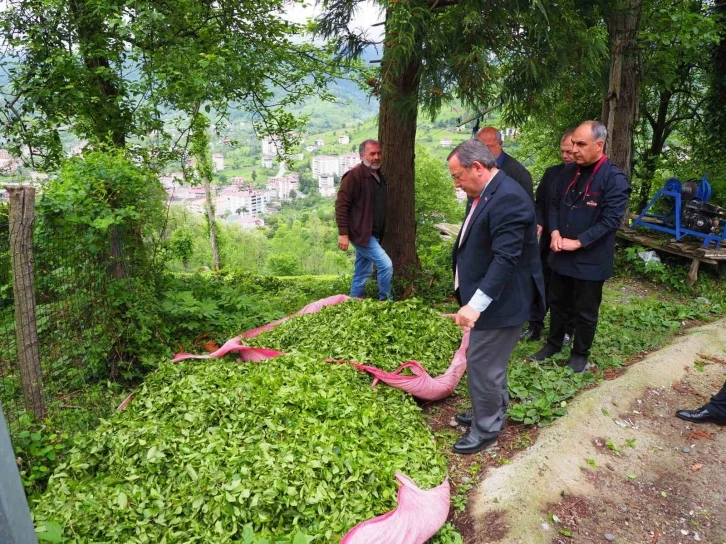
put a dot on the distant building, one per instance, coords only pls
(267, 162)
(326, 185)
(78, 148)
(8, 164)
(283, 185)
(310, 148)
(237, 180)
(445, 143)
(344, 139)
(324, 164)
(319, 142)
(191, 162)
(246, 222)
(240, 201)
(346, 162)
(218, 160)
(271, 145)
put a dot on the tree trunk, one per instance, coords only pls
(212, 225)
(397, 118)
(620, 106)
(716, 117)
(22, 215)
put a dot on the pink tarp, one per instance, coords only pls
(419, 516)
(421, 385)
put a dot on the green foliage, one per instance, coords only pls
(38, 451)
(541, 390)
(205, 305)
(382, 334)
(284, 264)
(108, 76)
(205, 449)
(435, 199)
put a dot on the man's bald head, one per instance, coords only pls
(492, 138)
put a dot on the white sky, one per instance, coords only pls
(367, 14)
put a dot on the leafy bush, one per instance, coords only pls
(204, 449)
(38, 451)
(381, 334)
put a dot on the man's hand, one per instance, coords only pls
(343, 242)
(556, 243)
(539, 230)
(570, 245)
(466, 316)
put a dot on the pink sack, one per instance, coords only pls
(247, 353)
(311, 308)
(421, 385)
(419, 516)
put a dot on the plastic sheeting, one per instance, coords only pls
(421, 385)
(419, 516)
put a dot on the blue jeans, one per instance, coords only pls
(365, 258)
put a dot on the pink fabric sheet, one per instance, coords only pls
(419, 516)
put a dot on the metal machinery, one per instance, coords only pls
(690, 214)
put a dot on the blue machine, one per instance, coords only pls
(690, 214)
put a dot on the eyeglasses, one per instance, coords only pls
(456, 176)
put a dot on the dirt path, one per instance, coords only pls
(619, 465)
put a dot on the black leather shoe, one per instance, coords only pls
(567, 340)
(471, 444)
(465, 418)
(578, 364)
(547, 351)
(702, 415)
(530, 335)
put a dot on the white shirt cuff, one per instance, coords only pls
(480, 301)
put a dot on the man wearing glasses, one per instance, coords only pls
(497, 273)
(589, 202)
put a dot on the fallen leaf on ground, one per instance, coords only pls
(211, 346)
(696, 467)
(700, 433)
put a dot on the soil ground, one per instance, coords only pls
(618, 464)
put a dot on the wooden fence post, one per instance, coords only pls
(22, 216)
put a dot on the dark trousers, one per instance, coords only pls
(581, 298)
(486, 374)
(539, 308)
(717, 406)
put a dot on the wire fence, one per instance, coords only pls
(52, 324)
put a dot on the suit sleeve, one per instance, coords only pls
(554, 211)
(342, 203)
(508, 224)
(539, 199)
(614, 204)
(526, 182)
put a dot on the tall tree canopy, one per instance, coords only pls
(107, 70)
(475, 51)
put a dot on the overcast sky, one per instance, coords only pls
(368, 14)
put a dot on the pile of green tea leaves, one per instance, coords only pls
(384, 335)
(216, 451)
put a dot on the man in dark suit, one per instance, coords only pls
(492, 138)
(542, 204)
(590, 200)
(497, 272)
(711, 412)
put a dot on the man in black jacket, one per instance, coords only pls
(492, 138)
(590, 200)
(495, 261)
(711, 412)
(542, 204)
